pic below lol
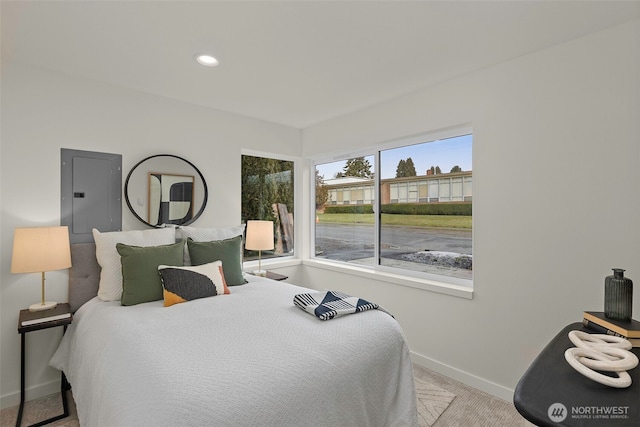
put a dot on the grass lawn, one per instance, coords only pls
(441, 221)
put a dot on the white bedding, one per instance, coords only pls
(246, 359)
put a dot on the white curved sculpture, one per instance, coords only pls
(602, 353)
(584, 340)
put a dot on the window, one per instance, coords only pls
(406, 209)
(344, 225)
(267, 194)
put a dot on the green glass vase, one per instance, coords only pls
(618, 296)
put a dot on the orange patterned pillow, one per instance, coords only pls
(182, 284)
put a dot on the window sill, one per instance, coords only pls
(272, 263)
(398, 279)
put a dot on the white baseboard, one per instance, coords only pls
(471, 380)
(13, 399)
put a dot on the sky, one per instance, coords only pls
(445, 153)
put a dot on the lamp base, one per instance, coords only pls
(43, 306)
(261, 273)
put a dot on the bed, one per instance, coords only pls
(247, 358)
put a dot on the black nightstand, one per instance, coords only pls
(552, 393)
(29, 321)
(275, 276)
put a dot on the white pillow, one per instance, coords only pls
(207, 235)
(110, 288)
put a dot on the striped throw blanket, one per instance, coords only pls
(329, 304)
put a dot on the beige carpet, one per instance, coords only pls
(432, 402)
(471, 407)
(41, 409)
(431, 399)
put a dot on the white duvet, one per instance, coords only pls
(246, 359)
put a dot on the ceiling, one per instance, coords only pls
(296, 63)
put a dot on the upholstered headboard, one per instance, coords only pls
(84, 275)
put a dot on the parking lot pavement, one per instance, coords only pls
(355, 243)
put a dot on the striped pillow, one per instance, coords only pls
(182, 284)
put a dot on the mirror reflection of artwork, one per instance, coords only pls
(136, 187)
(170, 198)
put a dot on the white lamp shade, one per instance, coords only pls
(40, 249)
(259, 235)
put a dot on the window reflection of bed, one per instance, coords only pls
(247, 358)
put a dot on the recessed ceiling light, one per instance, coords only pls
(207, 60)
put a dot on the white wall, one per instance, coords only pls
(43, 112)
(567, 119)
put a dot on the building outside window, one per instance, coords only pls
(420, 220)
(343, 230)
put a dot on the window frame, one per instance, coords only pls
(422, 280)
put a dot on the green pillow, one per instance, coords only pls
(140, 278)
(229, 251)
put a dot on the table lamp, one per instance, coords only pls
(41, 249)
(259, 238)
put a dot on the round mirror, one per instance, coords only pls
(165, 189)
